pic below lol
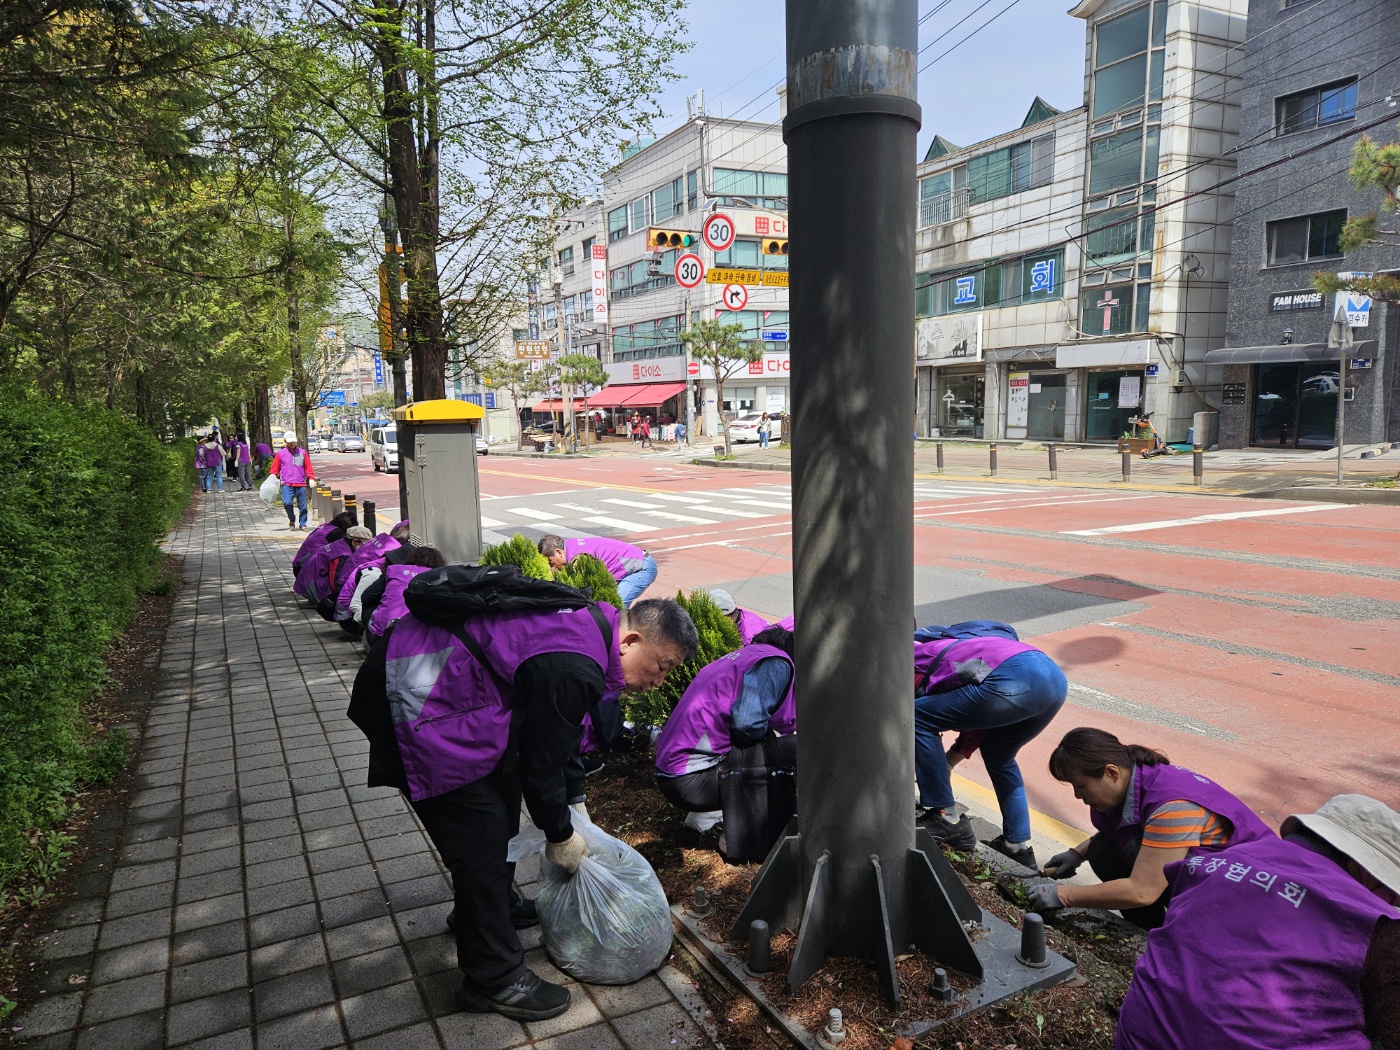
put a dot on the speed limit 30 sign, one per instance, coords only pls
(690, 271)
(718, 232)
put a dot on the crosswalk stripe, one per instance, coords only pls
(619, 523)
(630, 503)
(676, 498)
(529, 512)
(684, 519)
(491, 523)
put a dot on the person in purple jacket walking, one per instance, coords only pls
(633, 568)
(1292, 943)
(1000, 693)
(1148, 814)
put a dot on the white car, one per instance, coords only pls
(384, 449)
(745, 428)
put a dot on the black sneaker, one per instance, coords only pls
(592, 762)
(528, 998)
(959, 836)
(1025, 856)
(523, 914)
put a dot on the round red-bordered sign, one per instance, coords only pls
(718, 232)
(735, 296)
(690, 270)
(693, 369)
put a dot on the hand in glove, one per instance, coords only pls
(1063, 865)
(1044, 896)
(568, 853)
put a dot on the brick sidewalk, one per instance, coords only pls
(255, 894)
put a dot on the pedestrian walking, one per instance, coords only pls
(765, 427)
(214, 456)
(292, 466)
(999, 693)
(1148, 814)
(646, 432)
(201, 464)
(242, 463)
(633, 568)
(480, 714)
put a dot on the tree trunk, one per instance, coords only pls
(719, 396)
(262, 416)
(289, 288)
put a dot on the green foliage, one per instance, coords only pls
(520, 551)
(589, 573)
(85, 495)
(723, 347)
(718, 636)
(1373, 167)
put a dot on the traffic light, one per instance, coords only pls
(773, 246)
(662, 239)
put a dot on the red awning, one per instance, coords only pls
(611, 397)
(650, 395)
(556, 404)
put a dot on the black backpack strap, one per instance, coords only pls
(604, 627)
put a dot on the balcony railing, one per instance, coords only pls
(945, 207)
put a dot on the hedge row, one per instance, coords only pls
(85, 496)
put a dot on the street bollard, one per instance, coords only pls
(1054, 468)
(1127, 465)
(938, 448)
(369, 522)
(1198, 464)
(337, 504)
(324, 495)
(760, 955)
(992, 449)
(350, 506)
(313, 495)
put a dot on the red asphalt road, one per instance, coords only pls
(1281, 629)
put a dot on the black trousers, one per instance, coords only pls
(470, 827)
(696, 792)
(1108, 864)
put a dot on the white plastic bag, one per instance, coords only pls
(271, 490)
(609, 923)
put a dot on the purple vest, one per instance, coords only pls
(366, 554)
(622, 559)
(750, 624)
(788, 623)
(312, 543)
(292, 466)
(391, 604)
(314, 580)
(945, 664)
(1262, 948)
(696, 735)
(1154, 785)
(451, 715)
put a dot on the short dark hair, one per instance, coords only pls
(344, 520)
(777, 637)
(551, 543)
(661, 621)
(1087, 752)
(428, 557)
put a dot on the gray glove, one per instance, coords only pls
(1062, 865)
(568, 853)
(1044, 896)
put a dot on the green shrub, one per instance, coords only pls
(589, 573)
(85, 495)
(718, 636)
(521, 551)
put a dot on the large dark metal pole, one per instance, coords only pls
(850, 133)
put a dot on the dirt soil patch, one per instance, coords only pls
(1080, 1015)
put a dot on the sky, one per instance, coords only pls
(980, 89)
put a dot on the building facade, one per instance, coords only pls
(1312, 88)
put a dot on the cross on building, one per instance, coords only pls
(1107, 304)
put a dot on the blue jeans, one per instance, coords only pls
(1012, 704)
(762, 439)
(631, 586)
(295, 493)
(204, 478)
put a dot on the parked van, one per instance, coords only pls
(384, 449)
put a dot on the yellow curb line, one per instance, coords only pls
(1055, 830)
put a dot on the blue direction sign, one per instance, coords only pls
(332, 399)
(475, 399)
(378, 369)
(774, 335)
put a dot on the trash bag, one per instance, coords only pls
(609, 923)
(270, 491)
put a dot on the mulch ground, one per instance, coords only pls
(1080, 1015)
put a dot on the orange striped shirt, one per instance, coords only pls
(1179, 823)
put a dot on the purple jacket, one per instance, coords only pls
(314, 580)
(239, 451)
(1262, 947)
(368, 553)
(950, 663)
(697, 735)
(1154, 785)
(312, 543)
(204, 456)
(391, 604)
(750, 624)
(451, 715)
(622, 559)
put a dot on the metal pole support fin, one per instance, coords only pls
(774, 896)
(813, 936)
(968, 909)
(884, 954)
(935, 924)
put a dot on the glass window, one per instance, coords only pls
(588, 243)
(1154, 75)
(667, 201)
(1144, 307)
(1041, 276)
(617, 224)
(1149, 227)
(1112, 402)
(1337, 103)
(1120, 85)
(731, 183)
(1325, 234)
(1122, 36)
(1115, 161)
(1032, 163)
(1159, 23)
(1150, 155)
(1315, 107)
(1307, 237)
(989, 176)
(637, 215)
(692, 190)
(1111, 236)
(1107, 311)
(744, 253)
(566, 261)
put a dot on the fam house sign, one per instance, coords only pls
(949, 340)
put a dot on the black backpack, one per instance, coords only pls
(450, 594)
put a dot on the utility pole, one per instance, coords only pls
(689, 389)
(1340, 339)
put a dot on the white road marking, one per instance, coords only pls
(491, 523)
(780, 504)
(1203, 519)
(619, 523)
(630, 503)
(575, 506)
(675, 498)
(530, 512)
(1023, 506)
(682, 518)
